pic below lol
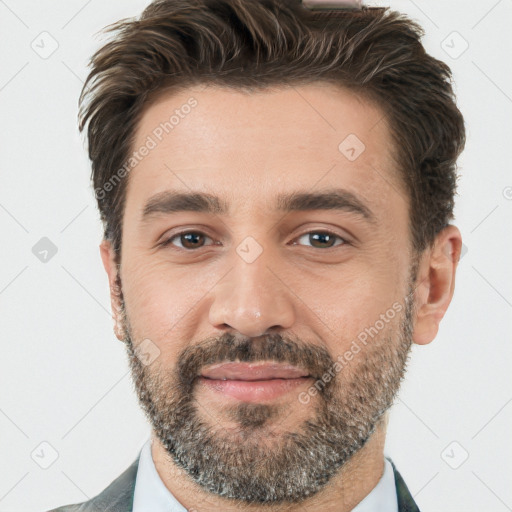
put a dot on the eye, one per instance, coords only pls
(323, 239)
(191, 240)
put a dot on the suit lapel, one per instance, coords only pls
(405, 500)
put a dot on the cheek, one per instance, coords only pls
(351, 298)
(161, 302)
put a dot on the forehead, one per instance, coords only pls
(249, 146)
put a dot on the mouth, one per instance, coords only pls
(252, 382)
(253, 371)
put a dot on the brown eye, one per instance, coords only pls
(189, 240)
(323, 239)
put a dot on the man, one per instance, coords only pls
(276, 184)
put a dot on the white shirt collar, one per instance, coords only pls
(152, 494)
(382, 498)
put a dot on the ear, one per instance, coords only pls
(109, 263)
(436, 283)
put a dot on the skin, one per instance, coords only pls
(247, 148)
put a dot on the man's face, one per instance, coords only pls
(324, 290)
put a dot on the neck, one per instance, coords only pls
(355, 480)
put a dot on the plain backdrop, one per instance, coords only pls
(69, 418)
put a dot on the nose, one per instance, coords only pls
(252, 299)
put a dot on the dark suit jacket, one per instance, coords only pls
(118, 496)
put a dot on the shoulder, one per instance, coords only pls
(69, 508)
(117, 497)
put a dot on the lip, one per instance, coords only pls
(261, 371)
(252, 382)
(252, 390)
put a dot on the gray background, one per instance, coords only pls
(69, 419)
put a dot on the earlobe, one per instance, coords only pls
(109, 263)
(436, 278)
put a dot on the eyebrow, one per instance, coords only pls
(170, 201)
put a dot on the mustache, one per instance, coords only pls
(314, 359)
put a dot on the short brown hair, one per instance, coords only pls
(248, 44)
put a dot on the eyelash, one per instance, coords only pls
(167, 242)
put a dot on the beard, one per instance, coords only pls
(253, 464)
